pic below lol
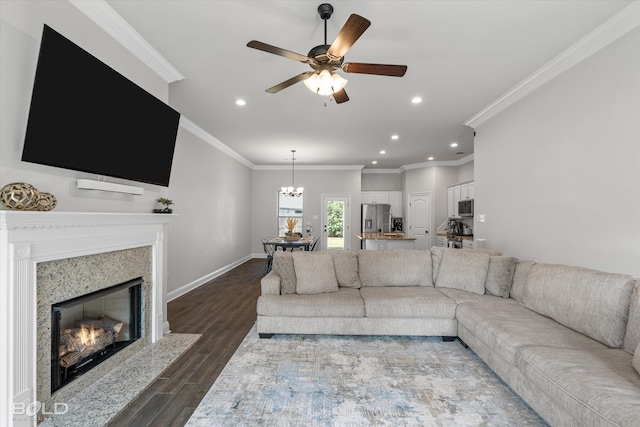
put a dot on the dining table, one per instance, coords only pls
(281, 242)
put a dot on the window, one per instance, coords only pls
(289, 207)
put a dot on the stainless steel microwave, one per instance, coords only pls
(465, 207)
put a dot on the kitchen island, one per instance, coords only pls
(380, 241)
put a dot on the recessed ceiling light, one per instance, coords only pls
(416, 100)
(430, 158)
(241, 102)
(383, 152)
(375, 162)
(394, 137)
(454, 144)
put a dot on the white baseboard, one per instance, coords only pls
(205, 279)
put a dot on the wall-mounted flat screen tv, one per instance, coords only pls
(87, 117)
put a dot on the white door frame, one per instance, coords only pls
(347, 219)
(409, 227)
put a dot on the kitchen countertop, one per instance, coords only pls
(384, 236)
(456, 237)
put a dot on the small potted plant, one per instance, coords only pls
(163, 202)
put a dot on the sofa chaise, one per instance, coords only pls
(566, 339)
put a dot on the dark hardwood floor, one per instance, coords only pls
(223, 311)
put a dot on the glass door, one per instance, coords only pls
(335, 223)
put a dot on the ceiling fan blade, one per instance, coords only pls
(377, 69)
(340, 96)
(352, 30)
(278, 51)
(293, 80)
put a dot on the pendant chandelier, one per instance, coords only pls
(292, 191)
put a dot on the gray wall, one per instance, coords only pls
(465, 172)
(390, 181)
(211, 191)
(557, 173)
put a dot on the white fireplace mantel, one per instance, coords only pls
(28, 238)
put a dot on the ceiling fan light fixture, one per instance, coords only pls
(325, 83)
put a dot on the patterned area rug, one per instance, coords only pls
(315, 380)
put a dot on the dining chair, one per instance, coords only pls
(269, 250)
(314, 243)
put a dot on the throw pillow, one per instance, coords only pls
(465, 270)
(636, 359)
(283, 265)
(436, 259)
(523, 267)
(346, 265)
(315, 273)
(500, 275)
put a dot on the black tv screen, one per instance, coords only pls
(87, 117)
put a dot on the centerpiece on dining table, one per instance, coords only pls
(289, 234)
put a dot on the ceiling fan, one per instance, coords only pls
(325, 59)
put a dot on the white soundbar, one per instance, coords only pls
(89, 184)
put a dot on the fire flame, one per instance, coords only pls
(87, 336)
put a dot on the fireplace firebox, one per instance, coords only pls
(89, 329)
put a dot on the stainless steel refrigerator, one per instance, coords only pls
(375, 216)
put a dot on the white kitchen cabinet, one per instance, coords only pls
(374, 197)
(442, 241)
(450, 206)
(393, 198)
(467, 244)
(458, 192)
(466, 191)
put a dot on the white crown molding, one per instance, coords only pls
(309, 167)
(435, 163)
(381, 171)
(612, 29)
(111, 22)
(211, 140)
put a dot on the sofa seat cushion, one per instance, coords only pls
(460, 296)
(506, 326)
(397, 267)
(599, 387)
(346, 302)
(589, 301)
(407, 302)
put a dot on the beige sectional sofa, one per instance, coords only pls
(566, 339)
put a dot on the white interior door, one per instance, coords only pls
(420, 219)
(335, 223)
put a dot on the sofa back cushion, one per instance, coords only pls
(397, 267)
(500, 276)
(346, 265)
(463, 269)
(591, 302)
(522, 269)
(315, 273)
(632, 336)
(283, 265)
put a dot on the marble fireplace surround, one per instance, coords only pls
(30, 244)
